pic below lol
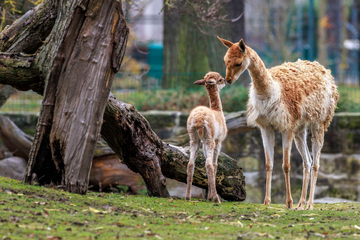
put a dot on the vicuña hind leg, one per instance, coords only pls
(301, 145)
(317, 143)
(194, 147)
(287, 138)
(268, 139)
(210, 171)
(216, 155)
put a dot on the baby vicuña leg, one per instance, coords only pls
(210, 171)
(194, 147)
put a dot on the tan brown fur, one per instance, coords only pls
(207, 125)
(296, 89)
(290, 98)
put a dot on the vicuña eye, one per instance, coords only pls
(238, 65)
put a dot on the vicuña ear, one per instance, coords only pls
(200, 82)
(242, 46)
(226, 43)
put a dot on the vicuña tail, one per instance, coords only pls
(200, 132)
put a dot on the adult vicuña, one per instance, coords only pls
(207, 125)
(290, 98)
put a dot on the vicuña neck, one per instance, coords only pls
(214, 96)
(260, 76)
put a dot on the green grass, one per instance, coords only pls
(44, 213)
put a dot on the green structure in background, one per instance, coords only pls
(155, 60)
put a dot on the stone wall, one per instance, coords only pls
(339, 174)
(339, 165)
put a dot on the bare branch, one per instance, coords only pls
(29, 32)
(18, 71)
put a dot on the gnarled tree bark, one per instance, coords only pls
(79, 61)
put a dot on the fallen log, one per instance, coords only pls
(107, 172)
(230, 182)
(236, 122)
(15, 140)
(129, 134)
(5, 93)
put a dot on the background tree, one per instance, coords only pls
(357, 5)
(190, 44)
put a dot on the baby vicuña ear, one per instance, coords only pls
(226, 43)
(200, 82)
(242, 46)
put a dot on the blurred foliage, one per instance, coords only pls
(11, 4)
(10, 10)
(347, 104)
(129, 89)
(38, 2)
(233, 99)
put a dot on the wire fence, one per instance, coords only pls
(278, 30)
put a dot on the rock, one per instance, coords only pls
(332, 200)
(13, 167)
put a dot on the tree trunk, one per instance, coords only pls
(190, 45)
(79, 70)
(322, 56)
(171, 39)
(334, 35)
(357, 3)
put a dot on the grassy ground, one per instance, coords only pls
(43, 213)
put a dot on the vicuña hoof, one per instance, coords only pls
(216, 199)
(188, 197)
(300, 206)
(267, 202)
(310, 206)
(289, 204)
(213, 198)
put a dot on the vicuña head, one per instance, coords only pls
(211, 79)
(236, 59)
